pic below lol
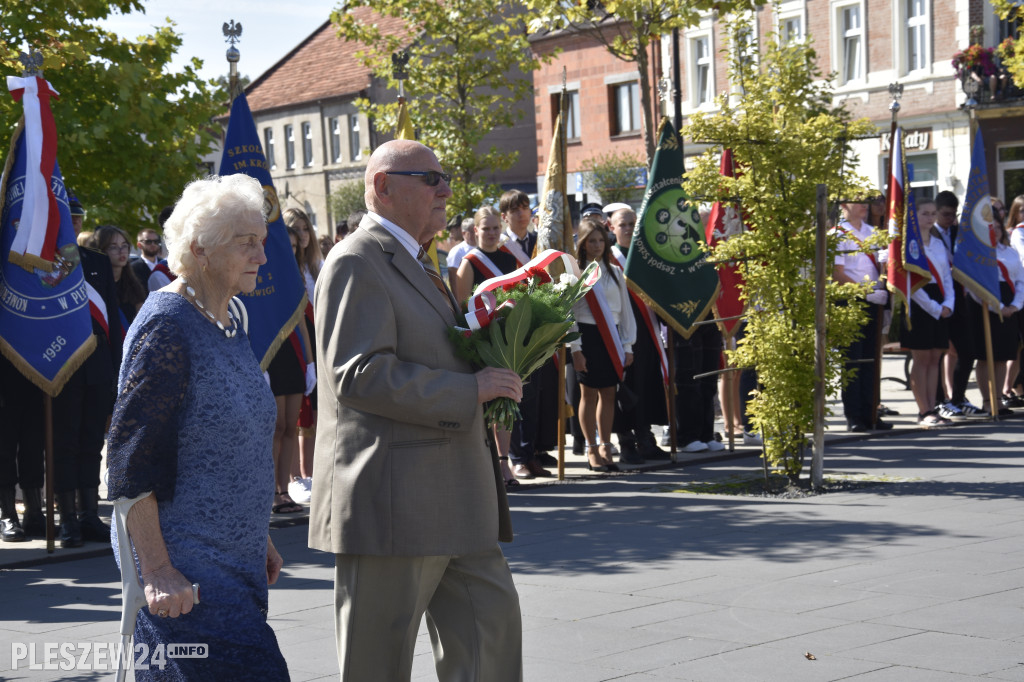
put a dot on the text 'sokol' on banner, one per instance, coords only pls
(666, 266)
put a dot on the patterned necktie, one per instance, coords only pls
(435, 277)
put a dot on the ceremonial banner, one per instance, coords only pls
(666, 266)
(974, 256)
(554, 230)
(404, 131)
(726, 221)
(276, 305)
(45, 325)
(907, 269)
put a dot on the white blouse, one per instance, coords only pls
(617, 294)
(936, 252)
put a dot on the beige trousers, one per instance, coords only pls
(472, 610)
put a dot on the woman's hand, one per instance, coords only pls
(1008, 310)
(168, 592)
(579, 363)
(274, 562)
(629, 360)
(946, 312)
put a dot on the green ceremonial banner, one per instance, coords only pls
(666, 266)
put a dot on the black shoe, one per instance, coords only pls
(70, 534)
(628, 453)
(546, 459)
(857, 427)
(93, 529)
(882, 426)
(10, 527)
(648, 448)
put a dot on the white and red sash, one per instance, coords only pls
(649, 318)
(1005, 274)
(483, 264)
(598, 304)
(870, 252)
(935, 277)
(512, 246)
(162, 268)
(98, 309)
(35, 242)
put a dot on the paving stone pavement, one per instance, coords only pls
(916, 575)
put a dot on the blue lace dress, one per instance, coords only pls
(194, 423)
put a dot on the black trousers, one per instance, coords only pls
(695, 401)
(537, 430)
(21, 430)
(859, 394)
(80, 415)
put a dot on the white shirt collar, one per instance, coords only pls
(401, 235)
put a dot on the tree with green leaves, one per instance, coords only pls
(786, 138)
(469, 65)
(615, 176)
(130, 132)
(628, 29)
(346, 199)
(1010, 53)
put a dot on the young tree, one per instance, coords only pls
(130, 132)
(616, 176)
(628, 28)
(469, 64)
(786, 138)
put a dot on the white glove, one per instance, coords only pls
(310, 377)
(878, 296)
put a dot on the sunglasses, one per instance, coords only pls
(149, 241)
(430, 178)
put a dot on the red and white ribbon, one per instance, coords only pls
(598, 304)
(36, 238)
(649, 318)
(480, 260)
(483, 304)
(98, 308)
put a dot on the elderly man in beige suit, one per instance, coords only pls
(407, 493)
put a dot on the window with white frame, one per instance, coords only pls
(289, 146)
(334, 128)
(791, 29)
(918, 52)
(572, 112)
(355, 149)
(307, 144)
(701, 75)
(627, 108)
(268, 146)
(849, 22)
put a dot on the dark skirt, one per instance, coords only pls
(600, 370)
(925, 333)
(287, 375)
(1005, 337)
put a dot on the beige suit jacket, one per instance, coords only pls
(402, 467)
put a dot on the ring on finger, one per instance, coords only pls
(162, 613)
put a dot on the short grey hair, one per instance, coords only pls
(206, 214)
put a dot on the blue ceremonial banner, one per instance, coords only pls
(974, 256)
(45, 326)
(277, 303)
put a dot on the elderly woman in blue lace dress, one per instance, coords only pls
(191, 440)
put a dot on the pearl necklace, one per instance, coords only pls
(230, 333)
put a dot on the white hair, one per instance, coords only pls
(206, 214)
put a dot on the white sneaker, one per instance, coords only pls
(695, 446)
(750, 438)
(300, 489)
(664, 436)
(973, 410)
(715, 446)
(948, 410)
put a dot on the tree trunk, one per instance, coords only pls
(643, 66)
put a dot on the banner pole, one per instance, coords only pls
(562, 413)
(48, 442)
(670, 392)
(820, 322)
(993, 404)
